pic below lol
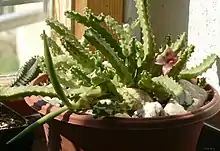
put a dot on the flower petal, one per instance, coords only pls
(167, 67)
(160, 60)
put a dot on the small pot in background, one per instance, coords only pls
(23, 144)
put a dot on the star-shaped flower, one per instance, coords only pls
(168, 59)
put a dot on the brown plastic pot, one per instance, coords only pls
(73, 132)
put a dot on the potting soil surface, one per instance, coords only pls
(7, 121)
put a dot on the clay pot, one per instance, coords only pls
(73, 132)
(21, 107)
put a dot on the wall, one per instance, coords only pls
(167, 17)
(204, 33)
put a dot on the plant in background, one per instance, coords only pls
(27, 72)
(111, 73)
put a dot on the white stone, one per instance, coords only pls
(196, 104)
(174, 108)
(195, 91)
(107, 101)
(188, 100)
(125, 115)
(150, 109)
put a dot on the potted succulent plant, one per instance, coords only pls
(109, 91)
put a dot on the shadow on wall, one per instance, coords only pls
(167, 17)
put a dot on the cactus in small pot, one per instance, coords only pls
(120, 76)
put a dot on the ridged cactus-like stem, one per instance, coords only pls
(27, 72)
(198, 70)
(180, 43)
(181, 64)
(98, 28)
(123, 37)
(95, 39)
(55, 49)
(148, 37)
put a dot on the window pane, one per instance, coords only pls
(21, 43)
(8, 55)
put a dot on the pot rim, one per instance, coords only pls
(160, 122)
(199, 115)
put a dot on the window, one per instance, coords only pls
(21, 23)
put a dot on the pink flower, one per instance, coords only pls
(168, 59)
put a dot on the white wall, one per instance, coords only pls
(204, 33)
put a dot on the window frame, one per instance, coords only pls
(16, 2)
(17, 19)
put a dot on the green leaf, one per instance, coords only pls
(153, 87)
(89, 14)
(54, 47)
(81, 75)
(72, 45)
(131, 59)
(87, 63)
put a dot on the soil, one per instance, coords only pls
(9, 121)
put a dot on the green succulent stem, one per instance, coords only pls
(52, 74)
(148, 37)
(180, 43)
(95, 39)
(198, 70)
(41, 121)
(171, 86)
(27, 72)
(98, 28)
(181, 64)
(123, 36)
(15, 93)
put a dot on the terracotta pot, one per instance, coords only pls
(43, 77)
(21, 107)
(72, 132)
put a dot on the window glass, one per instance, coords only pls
(20, 29)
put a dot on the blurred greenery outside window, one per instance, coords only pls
(21, 23)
